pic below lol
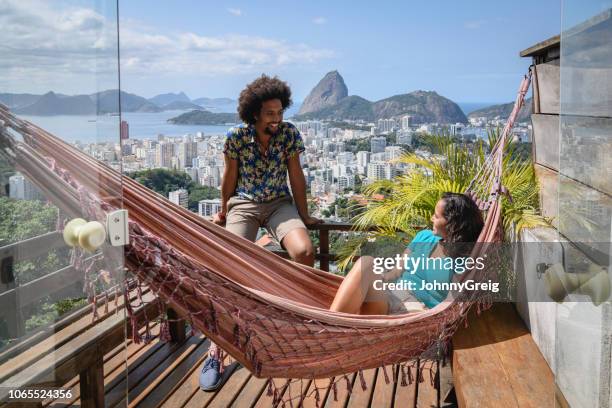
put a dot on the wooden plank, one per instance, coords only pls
(383, 392)
(114, 365)
(427, 395)
(37, 289)
(33, 247)
(18, 358)
(152, 372)
(342, 395)
(250, 393)
(265, 401)
(78, 353)
(405, 396)
(35, 337)
(446, 383)
(172, 377)
(496, 363)
(184, 391)
(201, 398)
(360, 397)
(528, 373)
(92, 385)
(231, 389)
(324, 392)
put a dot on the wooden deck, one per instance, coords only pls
(166, 375)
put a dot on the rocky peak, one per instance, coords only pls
(328, 92)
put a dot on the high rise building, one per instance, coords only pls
(124, 130)
(187, 151)
(20, 188)
(392, 152)
(179, 197)
(363, 158)
(406, 122)
(385, 125)
(404, 137)
(376, 171)
(347, 181)
(208, 208)
(378, 144)
(164, 154)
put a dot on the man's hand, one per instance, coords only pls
(308, 220)
(219, 218)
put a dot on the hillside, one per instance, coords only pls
(203, 117)
(502, 111)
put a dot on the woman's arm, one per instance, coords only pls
(396, 272)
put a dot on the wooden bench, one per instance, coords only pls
(76, 347)
(496, 363)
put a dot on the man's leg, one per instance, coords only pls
(287, 227)
(242, 219)
(299, 246)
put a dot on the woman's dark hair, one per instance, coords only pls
(257, 92)
(463, 224)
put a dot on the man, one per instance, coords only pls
(254, 192)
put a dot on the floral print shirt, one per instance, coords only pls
(262, 178)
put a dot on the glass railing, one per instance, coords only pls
(583, 328)
(60, 275)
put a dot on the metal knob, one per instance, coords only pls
(87, 235)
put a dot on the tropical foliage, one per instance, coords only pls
(409, 199)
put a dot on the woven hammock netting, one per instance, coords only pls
(268, 313)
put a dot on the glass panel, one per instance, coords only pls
(583, 358)
(60, 275)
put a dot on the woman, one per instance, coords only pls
(457, 222)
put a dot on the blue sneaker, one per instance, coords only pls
(210, 377)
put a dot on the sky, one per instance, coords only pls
(467, 51)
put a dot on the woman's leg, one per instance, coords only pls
(356, 294)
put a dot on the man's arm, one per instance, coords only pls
(298, 188)
(228, 186)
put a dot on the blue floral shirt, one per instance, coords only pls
(262, 178)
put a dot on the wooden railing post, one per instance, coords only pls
(324, 249)
(92, 385)
(177, 326)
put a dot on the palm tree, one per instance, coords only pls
(409, 199)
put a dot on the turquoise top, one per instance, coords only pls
(428, 269)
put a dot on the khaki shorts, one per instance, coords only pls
(279, 217)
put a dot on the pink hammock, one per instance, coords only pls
(268, 313)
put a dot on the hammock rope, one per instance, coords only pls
(268, 313)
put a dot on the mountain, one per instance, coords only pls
(217, 104)
(14, 101)
(328, 92)
(54, 104)
(203, 117)
(502, 111)
(352, 107)
(181, 105)
(167, 98)
(106, 102)
(422, 106)
(329, 100)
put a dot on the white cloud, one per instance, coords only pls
(319, 20)
(73, 50)
(235, 11)
(475, 24)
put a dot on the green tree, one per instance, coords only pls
(198, 193)
(163, 181)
